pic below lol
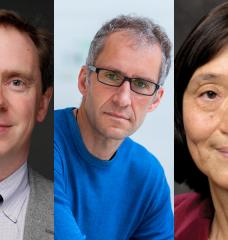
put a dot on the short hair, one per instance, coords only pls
(142, 29)
(41, 39)
(204, 42)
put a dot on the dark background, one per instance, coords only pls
(187, 14)
(39, 13)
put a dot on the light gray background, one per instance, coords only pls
(75, 25)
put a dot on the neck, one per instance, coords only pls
(10, 162)
(9, 166)
(97, 144)
(219, 229)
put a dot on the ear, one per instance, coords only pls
(43, 105)
(82, 83)
(156, 100)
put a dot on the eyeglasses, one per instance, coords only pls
(115, 79)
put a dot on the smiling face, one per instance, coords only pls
(116, 112)
(205, 115)
(21, 100)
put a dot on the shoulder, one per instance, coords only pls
(40, 210)
(64, 120)
(141, 158)
(41, 192)
(145, 169)
(189, 202)
(41, 185)
(60, 112)
(191, 211)
(185, 199)
(61, 115)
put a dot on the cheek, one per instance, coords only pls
(93, 103)
(141, 106)
(198, 124)
(99, 97)
(26, 109)
(92, 100)
(198, 129)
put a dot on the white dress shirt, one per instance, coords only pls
(15, 193)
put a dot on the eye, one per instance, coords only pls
(17, 85)
(209, 94)
(210, 97)
(111, 76)
(17, 82)
(140, 83)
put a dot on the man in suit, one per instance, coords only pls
(26, 198)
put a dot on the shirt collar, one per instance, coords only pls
(14, 190)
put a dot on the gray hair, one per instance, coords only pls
(143, 30)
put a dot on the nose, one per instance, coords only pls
(122, 96)
(224, 119)
(2, 99)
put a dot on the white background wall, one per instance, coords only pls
(76, 22)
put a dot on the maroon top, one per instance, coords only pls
(193, 217)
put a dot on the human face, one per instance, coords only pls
(116, 112)
(21, 100)
(205, 115)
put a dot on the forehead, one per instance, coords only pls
(128, 38)
(17, 51)
(214, 71)
(131, 56)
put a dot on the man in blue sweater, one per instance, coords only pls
(107, 187)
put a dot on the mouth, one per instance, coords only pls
(4, 128)
(223, 151)
(117, 116)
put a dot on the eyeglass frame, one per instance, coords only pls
(128, 79)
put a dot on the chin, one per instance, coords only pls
(221, 180)
(116, 134)
(5, 149)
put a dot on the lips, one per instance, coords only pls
(118, 115)
(4, 127)
(223, 150)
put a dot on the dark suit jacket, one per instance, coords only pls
(40, 211)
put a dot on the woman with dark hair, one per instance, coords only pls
(201, 129)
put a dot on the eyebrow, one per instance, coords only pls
(21, 74)
(208, 77)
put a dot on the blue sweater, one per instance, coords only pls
(124, 198)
